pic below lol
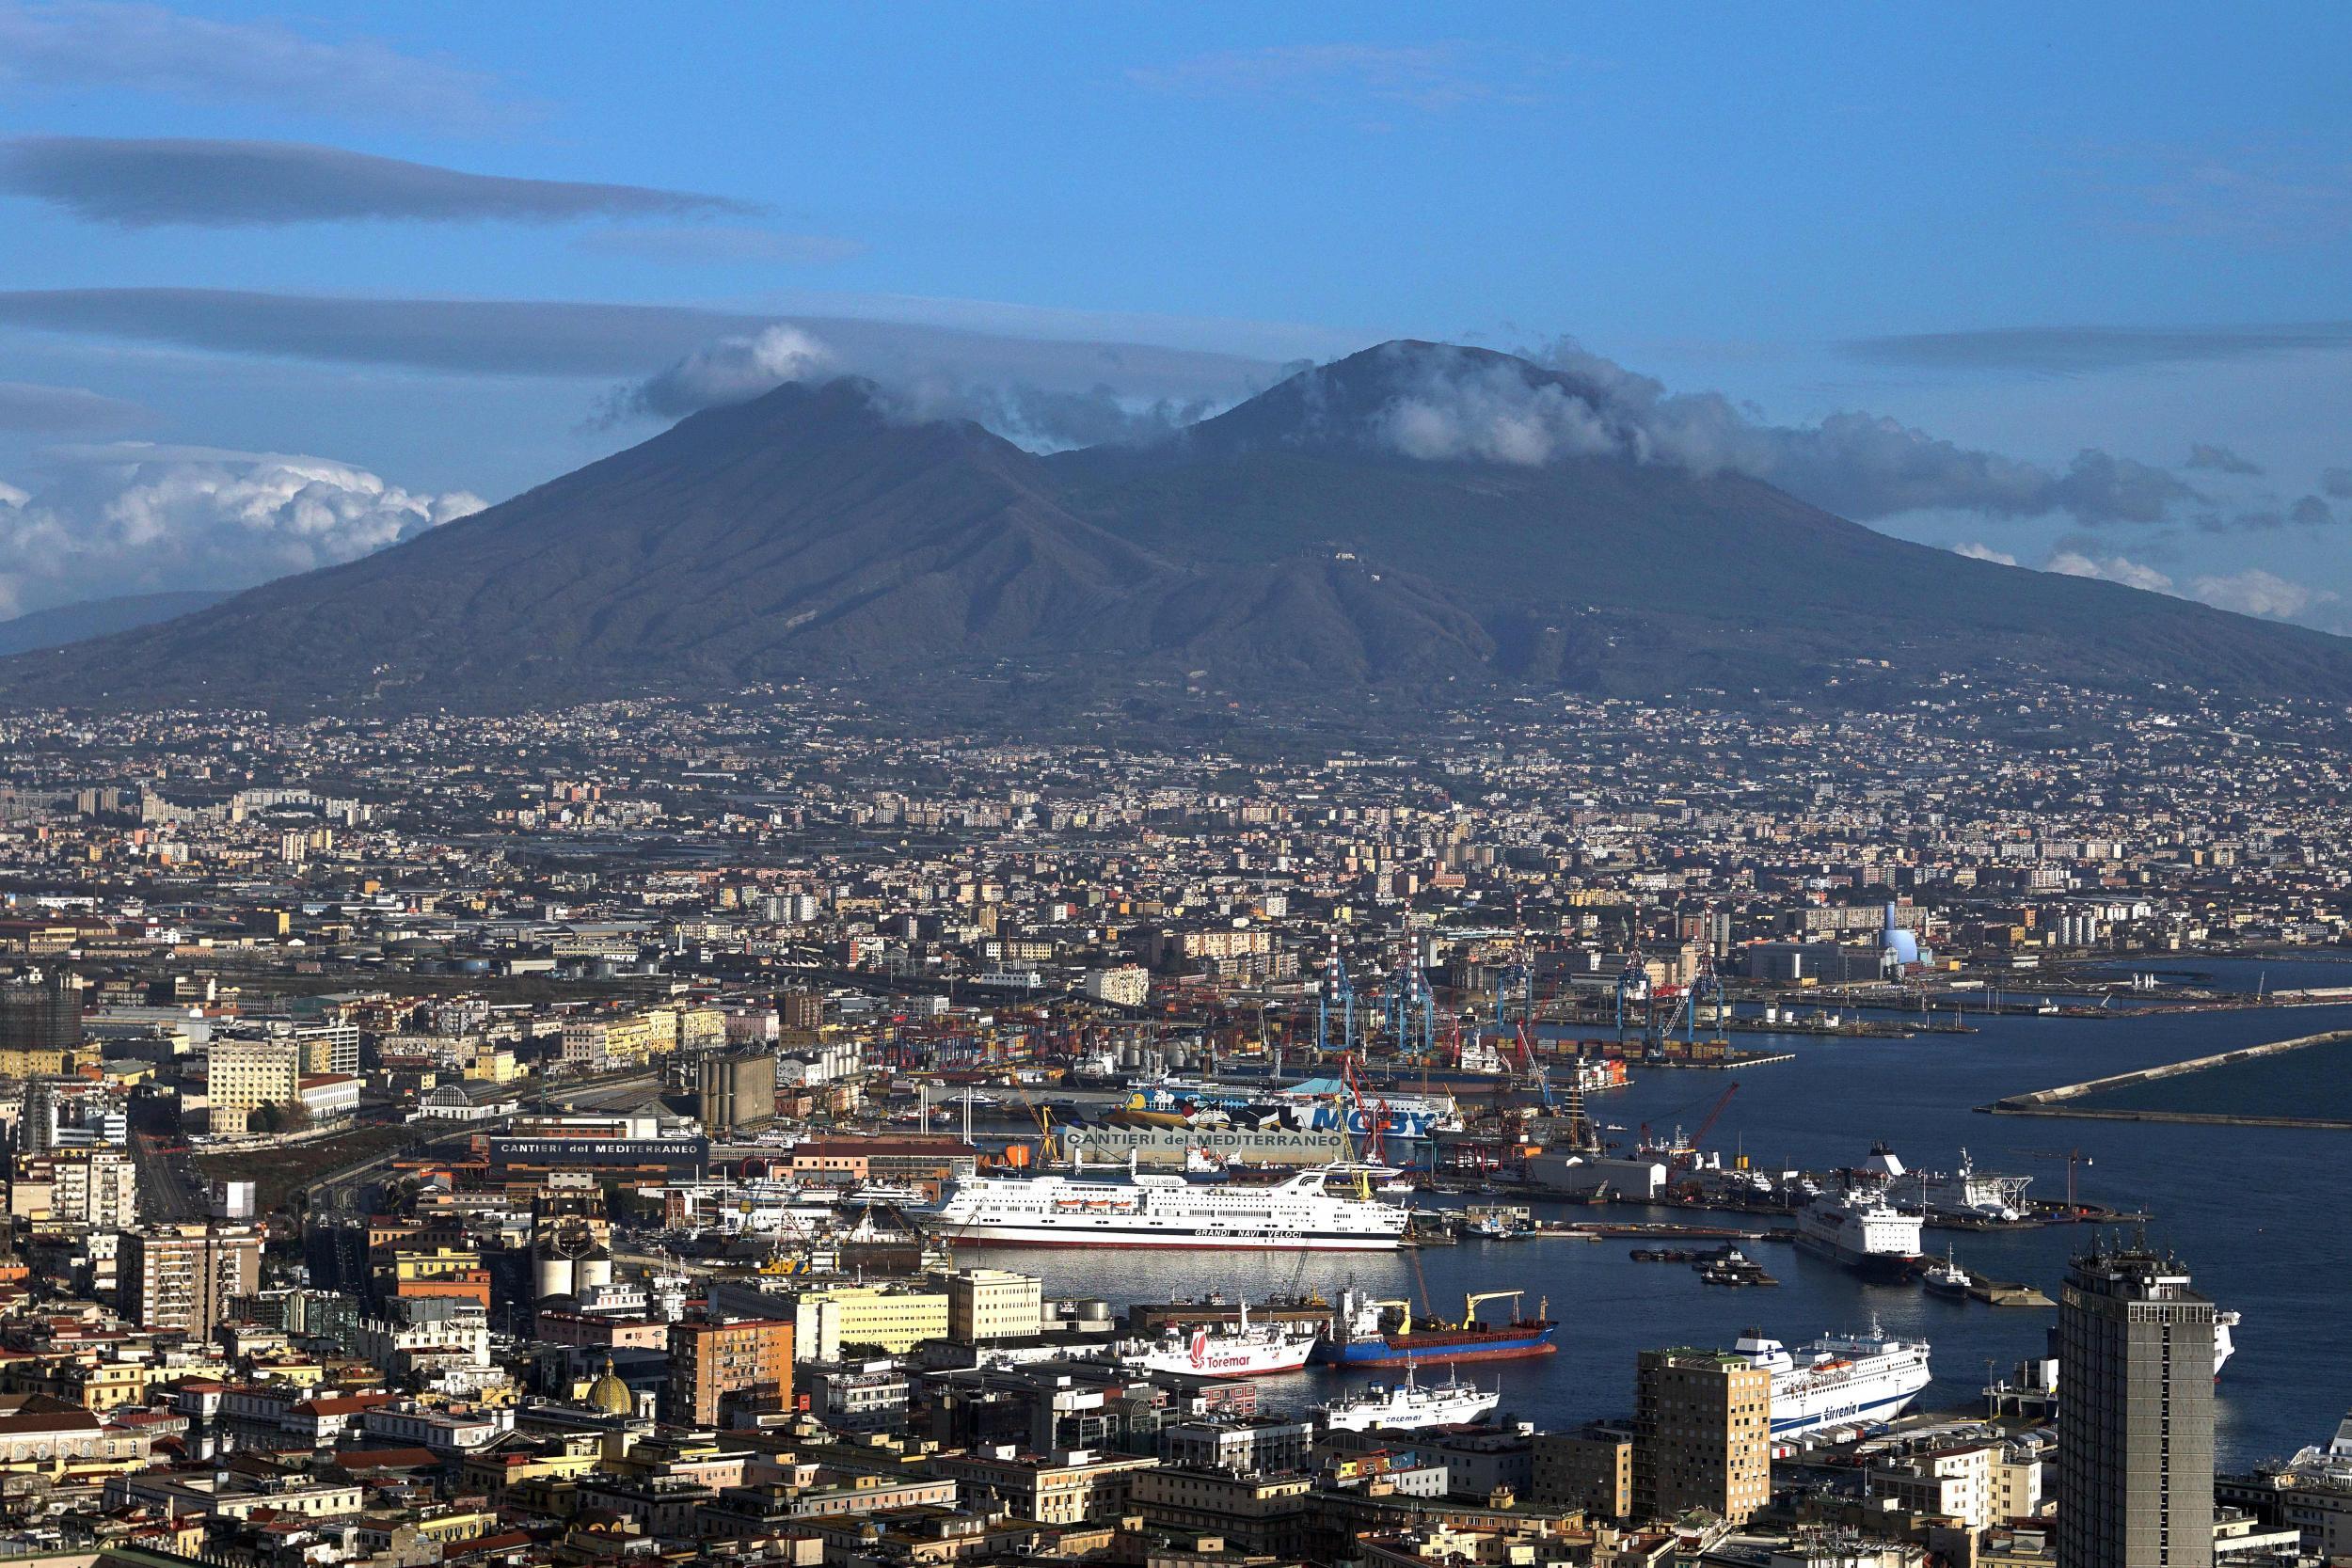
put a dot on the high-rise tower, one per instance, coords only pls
(2136, 1369)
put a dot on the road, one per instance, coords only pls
(169, 1190)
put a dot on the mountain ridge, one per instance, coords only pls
(1295, 545)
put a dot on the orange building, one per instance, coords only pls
(710, 1361)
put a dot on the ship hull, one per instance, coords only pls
(1880, 1268)
(1387, 1418)
(1045, 1236)
(1872, 1410)
(1427, 1351)
(1212, 1371)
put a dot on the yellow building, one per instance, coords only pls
(245, 1075)
(491, 1065)
(895, 1321)
(563, 1460)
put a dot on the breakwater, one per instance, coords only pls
(2064, 1101)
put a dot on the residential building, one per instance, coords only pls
(182, 1276)
(1702, 1434)
(1590, 1471)
(712, 1361)
(1071, 1488)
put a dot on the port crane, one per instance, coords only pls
(1409, 1009)
(1538, 1076)
(1335, 991)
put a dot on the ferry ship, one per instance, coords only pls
(1302, 1212)
(1383, 1333)
(1839, 1377)
(1861, 1230)
(1242, 1350)
(1407, 1406)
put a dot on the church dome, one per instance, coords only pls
(609, 1395)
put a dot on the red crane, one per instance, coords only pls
(1705, 1127)
(1375, 1133)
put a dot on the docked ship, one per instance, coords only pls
(1962, 1196)
(1947, 1278)
(1241, 1349)
(1839, 1377)
(1385, 1334)
(1863, 1231)
(1410, 1404)
(1309, 1211)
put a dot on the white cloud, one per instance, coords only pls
(1975, 550)
(135, 519)
(733, 370)
(2109, 568)
(1490, 412)
(2255, 592)
(1445, 402)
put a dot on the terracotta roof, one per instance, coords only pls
(386, 1459)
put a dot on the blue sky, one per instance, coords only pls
(2021, 230)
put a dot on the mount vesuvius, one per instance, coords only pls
(1313, 540)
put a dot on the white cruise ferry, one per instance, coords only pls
(1242, 1350)
(1839, 1377)
(1861, 1231)
(1409, 1405)
(1309, 1211)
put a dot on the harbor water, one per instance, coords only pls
(2254, 1213)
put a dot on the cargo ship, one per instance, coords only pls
(1385, 1334)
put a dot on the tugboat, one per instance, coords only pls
(1731, 1266)
(1947, 1278)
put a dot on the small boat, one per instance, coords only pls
(1730, 1266)
(1947, 1278)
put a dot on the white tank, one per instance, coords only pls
(552, 1276)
